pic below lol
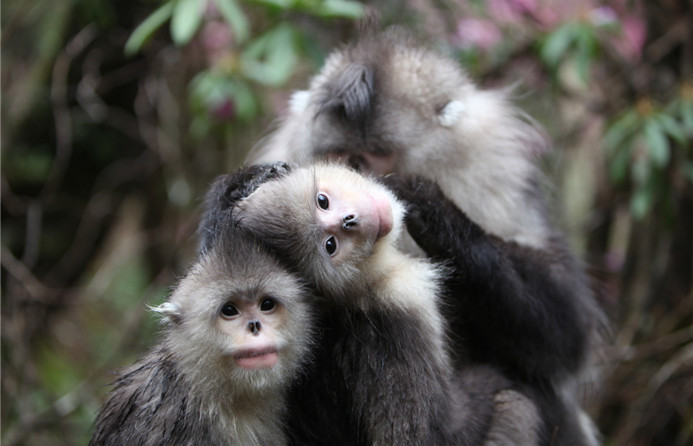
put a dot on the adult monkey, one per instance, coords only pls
(520, 300)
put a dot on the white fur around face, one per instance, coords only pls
(451, 113)
(299, 101)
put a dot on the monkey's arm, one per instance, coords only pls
(227, 190)
(524, 310)
(400, 386)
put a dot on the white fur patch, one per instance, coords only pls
(451, 113)
(167, 310)
(299, 101)
(589, 429)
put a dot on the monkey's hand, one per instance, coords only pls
(516, 293)
(433, 220)
(238, 185)
(227, 190)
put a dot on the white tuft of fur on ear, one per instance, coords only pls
(299, 101)
(169, 311)
(451, 113)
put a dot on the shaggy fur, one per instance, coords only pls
(188, 390)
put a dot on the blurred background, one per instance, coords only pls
(117, 114)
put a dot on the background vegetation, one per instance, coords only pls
(117, 114)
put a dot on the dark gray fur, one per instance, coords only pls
(151, 405)
(351, 96)
(226, 191)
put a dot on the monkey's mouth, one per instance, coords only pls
(257, 358)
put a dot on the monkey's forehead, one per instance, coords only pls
(211, 286)
(399, 68)
(238, 264)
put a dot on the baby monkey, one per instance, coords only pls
(237, 333)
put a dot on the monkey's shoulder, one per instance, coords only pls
(151, 405)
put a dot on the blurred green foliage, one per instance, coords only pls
(116, 116)
(639, 149)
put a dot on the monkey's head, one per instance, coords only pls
(238, 320)
(379, 105)
(389, 104)
(327, 220)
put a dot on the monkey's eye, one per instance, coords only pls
(268, 304)
(323, 202)
(331, 245)
(229, 311)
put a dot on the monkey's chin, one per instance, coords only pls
(257, 359)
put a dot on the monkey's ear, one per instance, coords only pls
(170, 312)
(299, 102)
(451, 113)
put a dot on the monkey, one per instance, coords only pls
(237, 332)
(465, 162)
(382, 373)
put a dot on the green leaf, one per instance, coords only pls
(672, 128)
(281, 4)
(621, 132)
(339, 8)
(583, 63)
(186, 20)
(244, 99)
(209, 89)
(640, 170)
(557, 44)
(586, 50)
(145, 29)
(657, 142)
(271, 58)
(200, 126)
(235, 17)
(641, 201)
(618, 166)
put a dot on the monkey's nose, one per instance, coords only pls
(254, 327)
(350, 221)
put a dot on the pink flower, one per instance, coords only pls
(479, 33)
(224, 110)
(634, 33)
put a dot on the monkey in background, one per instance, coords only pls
(465, 165)
(382, 374)
(237, 333)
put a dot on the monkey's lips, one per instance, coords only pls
(257, 358)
